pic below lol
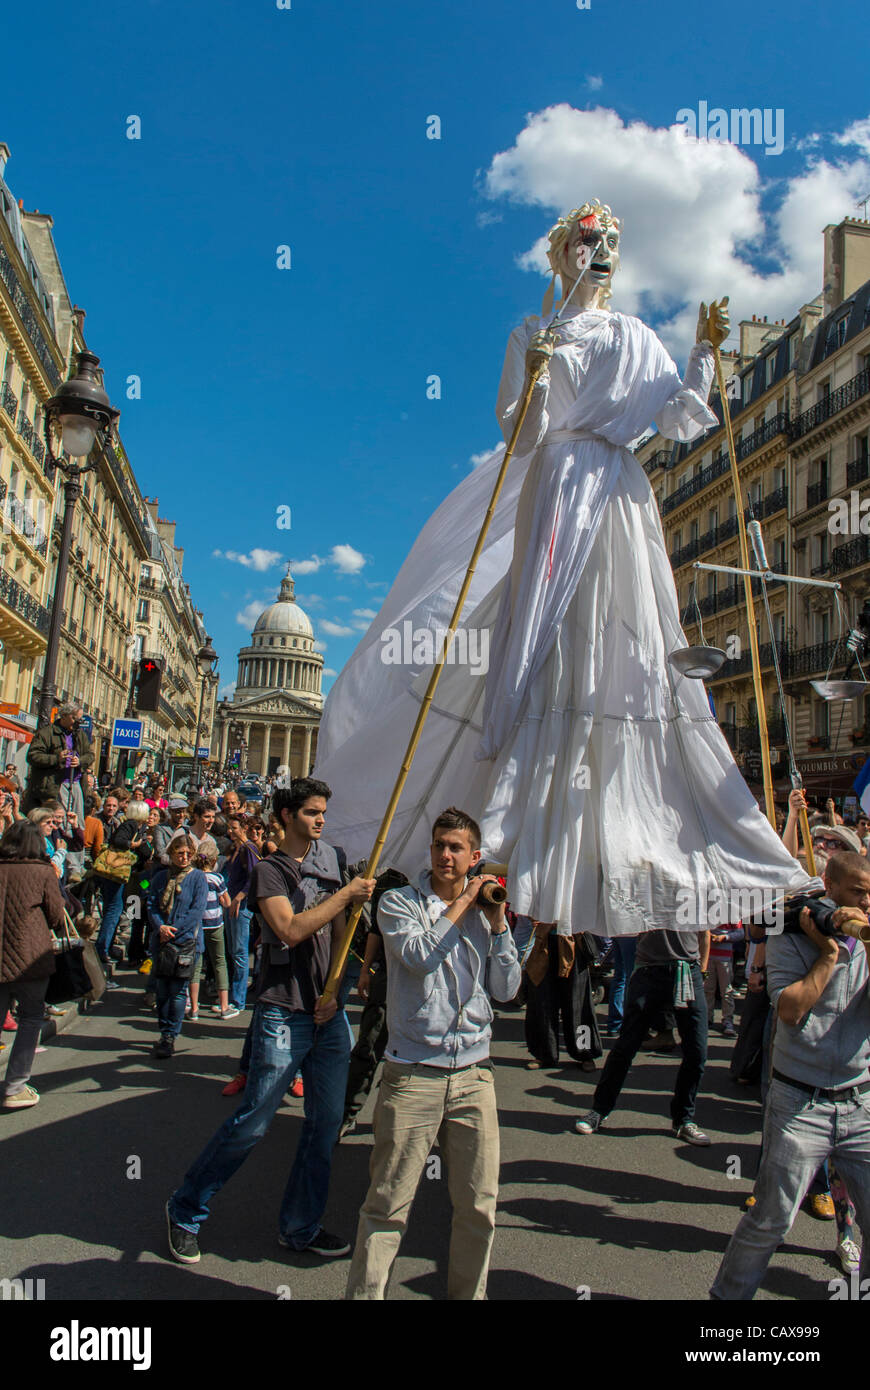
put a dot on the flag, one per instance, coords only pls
(861, 787)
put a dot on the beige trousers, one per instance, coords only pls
(417, 1105)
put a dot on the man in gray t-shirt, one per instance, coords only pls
(818, 1104)
(667, 975)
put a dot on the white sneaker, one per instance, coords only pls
(589, 1124)
(849, 1255)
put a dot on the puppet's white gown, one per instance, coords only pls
(596, 771)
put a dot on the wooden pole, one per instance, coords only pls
(747, 587)
(337, 967)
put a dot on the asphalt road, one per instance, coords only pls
(628, 1213)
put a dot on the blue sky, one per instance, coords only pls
(262, 127)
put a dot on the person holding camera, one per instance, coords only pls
(175, 904)
(58, 755)
(818, 1103)
(447, 951)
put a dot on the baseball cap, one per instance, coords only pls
(847, 837)
(177, 803)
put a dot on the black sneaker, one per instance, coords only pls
(165, 1047)
(183, 1245)
(326, 1246)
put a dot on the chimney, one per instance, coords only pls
(4, 155)
(79, 315)
(847, 260)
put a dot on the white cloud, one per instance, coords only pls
(309, 600)
(364, 613)
(594, 83)
(328, 671)
(249, 614)
(477, 459)
(257, 559)
(306, 566)
(858, 133)
(226, 692)
(321, 646)
(346, 559)
(335, 629)
(691, 211)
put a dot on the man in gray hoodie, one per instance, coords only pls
(446, 953)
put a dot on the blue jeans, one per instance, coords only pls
(624, 948)
(800, 1132)
(238, 932)
(171, 998)
(113, 905)
(282, 1042)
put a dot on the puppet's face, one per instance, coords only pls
(588, 238)
(606, 258)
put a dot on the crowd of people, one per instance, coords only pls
(206, 897)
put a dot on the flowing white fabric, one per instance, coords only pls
(598, 774)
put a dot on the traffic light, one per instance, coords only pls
(147, 691)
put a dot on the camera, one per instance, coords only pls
(822, 915)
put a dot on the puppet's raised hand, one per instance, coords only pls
(713, 323)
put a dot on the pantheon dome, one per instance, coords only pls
(275, 711)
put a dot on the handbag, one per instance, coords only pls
(115, 864)
(70, 979)
(172, 964)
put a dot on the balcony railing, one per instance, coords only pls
(850, 555)
(8, 398)
(28, 317)
(819, 741)
(806, 661)
(816, 493)
(775, 501)
(857, 471)
(117, 473)
(659, 459)
(22, 603)
(778, 424)
(741, 664)
(845, 395)
(695, 485)
(21, 520)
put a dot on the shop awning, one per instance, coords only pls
(14, 731)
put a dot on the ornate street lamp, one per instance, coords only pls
(79, 412)
(206, 660)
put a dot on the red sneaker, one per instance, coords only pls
(9, 1024)
(296, 1090)
(238, 1083)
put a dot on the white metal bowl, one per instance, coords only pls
(698, 663)
(840, 690)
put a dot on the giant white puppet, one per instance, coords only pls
(596, 770)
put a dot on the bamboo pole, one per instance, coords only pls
(337, 966)
(747, 581)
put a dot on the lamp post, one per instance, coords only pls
(206, 660)
(79, 411)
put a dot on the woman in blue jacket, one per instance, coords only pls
(175, 905)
